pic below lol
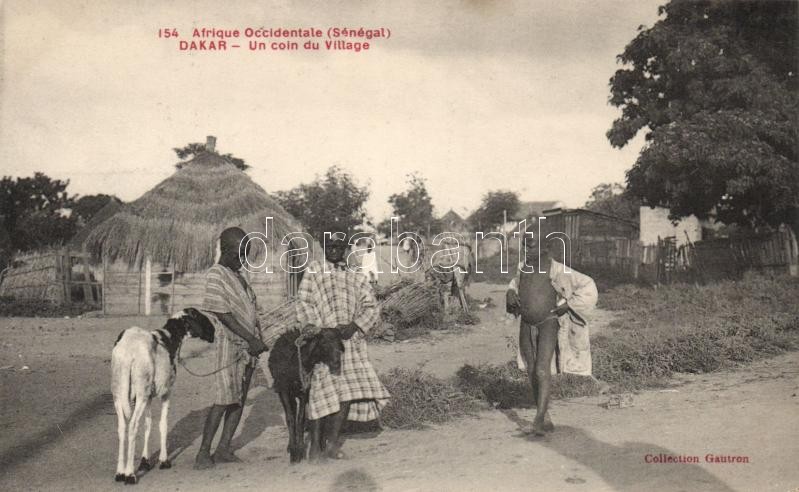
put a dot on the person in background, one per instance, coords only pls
(369, 264)
(237, 342)
(552, 301)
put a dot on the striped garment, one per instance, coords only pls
(328, 298)
(225, 293)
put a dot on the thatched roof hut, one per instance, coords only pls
(157, 248)
(179, 220)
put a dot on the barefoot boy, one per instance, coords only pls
(552, 300)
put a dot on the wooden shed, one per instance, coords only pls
(596, 240)
(579, 223)
(154, 251)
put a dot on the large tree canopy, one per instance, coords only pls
(191, 150)
(613, 199)
(34, 212)
(493, 208)
(715, 84)
(87, 206)
(414, 207)
(331, 203)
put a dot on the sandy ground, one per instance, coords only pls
(58, 427)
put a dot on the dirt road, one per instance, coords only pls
(57, 425)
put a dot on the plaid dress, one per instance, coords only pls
(329, 297)
(224, 293)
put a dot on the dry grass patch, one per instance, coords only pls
(694, 329)
(419, 399)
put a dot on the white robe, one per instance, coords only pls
(579, 291)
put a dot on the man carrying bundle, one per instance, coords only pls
(552, 300)
(332, 296)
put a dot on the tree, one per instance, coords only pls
(35, 212)
(493, 209)
(715, 83)
(191, 150)
(85, 207)
(612, 199)
(384, 227)
(414, 207)
(331, 203)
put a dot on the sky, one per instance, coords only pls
(472, 95)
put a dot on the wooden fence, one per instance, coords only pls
(159, 290)
(730, 257)
(667, 262)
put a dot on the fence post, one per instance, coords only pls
(792, 259)
(147, 292)
(103, 284)
(172, 294)
(88, 294)
(138, 302)
(66, 275)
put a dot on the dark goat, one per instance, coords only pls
(325, 347)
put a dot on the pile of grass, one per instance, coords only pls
(689, 329)
(419, 399)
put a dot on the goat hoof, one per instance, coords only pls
(130, 480)
(119, 477)
(144, 464)
(165, 465)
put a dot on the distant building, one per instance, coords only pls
(529, 211)
(453, 222)
(532, 210)
(655, 223)
(579, 223)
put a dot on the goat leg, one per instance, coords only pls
(299, 429)
(163, 455)
(133, 428)
(290, 409)
(144, 463)
(121, 434)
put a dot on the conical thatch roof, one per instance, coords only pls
(180, 219)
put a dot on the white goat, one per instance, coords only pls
(143, 367)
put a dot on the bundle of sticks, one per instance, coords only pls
(410, 302)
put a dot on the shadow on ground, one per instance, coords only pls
(622, 466)
(99, 404)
